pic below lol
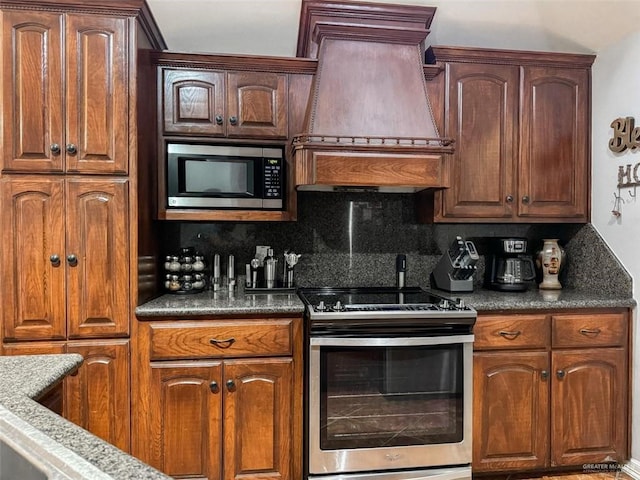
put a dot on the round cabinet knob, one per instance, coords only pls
(55, 260)
(544, 374)
(560, 374)
(72, 260)
(72, 149)
(525, 199)
(231, 385)
(218, 119)
(233, 120)
(213, 386)
(509, 198)
(55, 148)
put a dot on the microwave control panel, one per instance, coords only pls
(272, 178)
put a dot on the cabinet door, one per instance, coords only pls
(32, 97)
(257, 104)
(589, 406)
(510, 411)
(184, 419)
(97, 257)
(33, 268)
(554, 154)
(482, 117)
(193, 102)
(98, 398)
(258, 419)
(97, 94)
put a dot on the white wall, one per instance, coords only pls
(616, 93)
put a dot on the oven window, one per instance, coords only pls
(390, 396)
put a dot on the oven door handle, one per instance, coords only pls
(390, 341)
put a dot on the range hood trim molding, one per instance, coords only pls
(314, 11)
(368, 33)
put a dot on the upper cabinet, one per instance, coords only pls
(521, 125)
(218, 103)
(65, 95)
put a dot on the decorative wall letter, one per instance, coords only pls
(625, 135)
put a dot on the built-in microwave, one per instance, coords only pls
(225, 176)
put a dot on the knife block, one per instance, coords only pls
(442, 277)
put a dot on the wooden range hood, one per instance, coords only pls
(369, 123)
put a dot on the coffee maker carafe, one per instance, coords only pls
(509, 267)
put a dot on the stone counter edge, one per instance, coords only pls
(24, 378)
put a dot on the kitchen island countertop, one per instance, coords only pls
(240, 303)
(26, 377)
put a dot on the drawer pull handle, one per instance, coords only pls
(510, 335)
(589, 331)
(222, 343)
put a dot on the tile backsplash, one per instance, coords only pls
(349, 239)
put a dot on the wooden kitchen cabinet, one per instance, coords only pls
(511, 410)
(550, 390)
(97, 396)
(67, 259)
(65, 116)
(219, 399)
(75, 80)
(224, 104)
(521, 125)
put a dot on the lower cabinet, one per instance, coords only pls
(220, 399)
(96, 397)
(550, 390)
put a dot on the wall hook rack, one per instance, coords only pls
(617, 204)
(633, 195)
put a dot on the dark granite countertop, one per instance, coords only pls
(240, 303)
(25, 377)
(534, 299)
(222, 303)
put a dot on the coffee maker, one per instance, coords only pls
(509, 268)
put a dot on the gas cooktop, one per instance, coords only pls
(329, 303)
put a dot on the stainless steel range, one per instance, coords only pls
(389, 384)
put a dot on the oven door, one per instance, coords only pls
(384, 404)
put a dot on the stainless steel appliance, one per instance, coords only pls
(454, 271)
(509, 267)
(389, 384)
(225, 176)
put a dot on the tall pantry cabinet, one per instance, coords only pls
(69, 194)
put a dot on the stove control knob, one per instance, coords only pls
(338, 306)
(321, 307)
(460, 304)
(444, 304)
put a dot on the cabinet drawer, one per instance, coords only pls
(607, 329)
(225, 338)
(511, 331)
